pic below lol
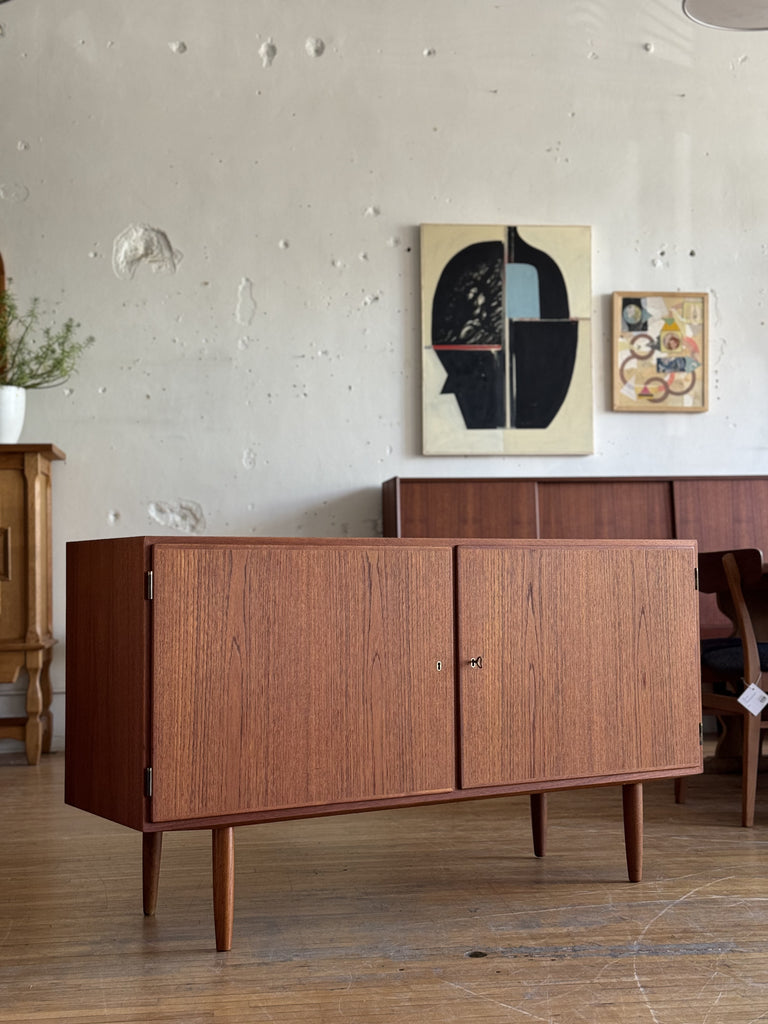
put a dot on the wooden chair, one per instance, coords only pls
(730, 664)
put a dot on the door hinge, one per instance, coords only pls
(696, 578)
(147, 782)
(701, 734)
(149, 585)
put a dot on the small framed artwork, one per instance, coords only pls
(660, 361)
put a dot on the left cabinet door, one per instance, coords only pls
(299, 675)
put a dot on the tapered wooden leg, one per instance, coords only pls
(223, 885)
(749, 763)
(632, 799)
(151, 848)
(539, 823)
(681, 789)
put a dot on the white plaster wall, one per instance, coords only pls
(274, 378)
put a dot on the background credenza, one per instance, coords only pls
(718, 512)
(219, 682)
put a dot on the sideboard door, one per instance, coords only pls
(577, 661)
(299, 675)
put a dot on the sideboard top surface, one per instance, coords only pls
(659, 478)
(436, 542)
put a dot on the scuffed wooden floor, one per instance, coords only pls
(415, 916)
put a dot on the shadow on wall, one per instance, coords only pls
(604, 303)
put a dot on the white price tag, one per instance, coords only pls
(754, 699)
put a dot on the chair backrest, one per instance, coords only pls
(744, 625)
(712, 575)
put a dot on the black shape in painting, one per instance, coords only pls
(468, 312)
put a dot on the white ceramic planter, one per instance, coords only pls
(13, 404)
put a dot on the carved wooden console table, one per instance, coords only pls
(219, 682)
(26, 632)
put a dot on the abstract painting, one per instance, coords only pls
(660, 351)
(506, 340)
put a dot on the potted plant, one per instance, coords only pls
(32, 355)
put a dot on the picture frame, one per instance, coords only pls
(506, 339)
(660, 351)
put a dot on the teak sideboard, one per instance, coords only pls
(220, 682)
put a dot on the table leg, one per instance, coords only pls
(46, 714)
(151, 849)
(539, 823)
(632, 799)
(223, 885)
(33, 733)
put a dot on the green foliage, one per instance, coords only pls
(32, 355)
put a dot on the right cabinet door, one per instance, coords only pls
(577, 661)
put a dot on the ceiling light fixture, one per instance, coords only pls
(738, 15)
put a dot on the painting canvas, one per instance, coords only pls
(506, 340)
(660, 351)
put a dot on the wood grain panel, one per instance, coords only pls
(294, 676)
(14, 593)
(107, 679)
(606, 510)
(722, 514)
(466, 508)
(590, 661)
